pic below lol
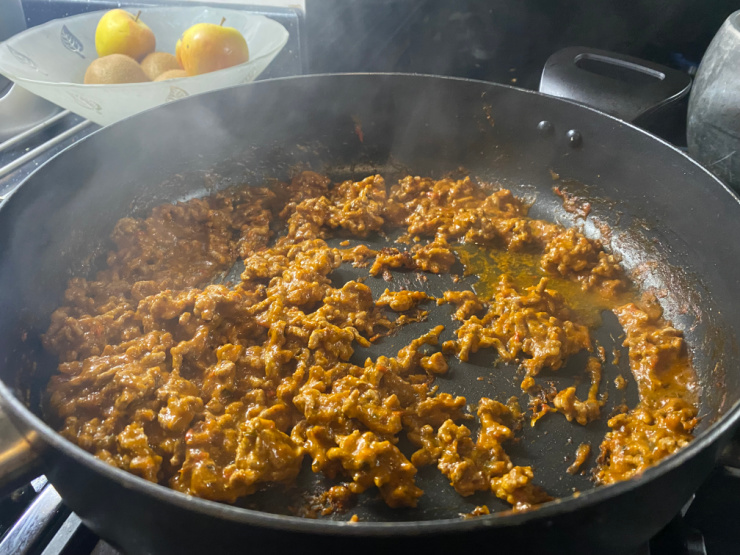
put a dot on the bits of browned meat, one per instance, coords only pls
(483, 464)
(644, 436)
(570, 253)
(467, 303)
(435, 257)
(573, 408)
(582, 453)
(359, 206)
(401, 301)
(305, 185)
(355, 206)
(434, 364)
(534, 323)
(227, 458)
(358, 255)
(218, 390)
(374, 462)
(391, 258)
(657, 351)
(663, 421)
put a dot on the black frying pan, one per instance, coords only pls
(672, 222)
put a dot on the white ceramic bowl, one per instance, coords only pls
(50, 60)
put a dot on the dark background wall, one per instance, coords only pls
(495, 40)
(502, 40)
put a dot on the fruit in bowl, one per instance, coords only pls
(126, 45)
(207, 47)
(172, 74)
(51, 59)
(120, 32)
(157, 63)
(114, 69)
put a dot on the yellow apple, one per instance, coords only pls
(120, 32)
(207, 47)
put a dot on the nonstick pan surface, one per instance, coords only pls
(666, 216)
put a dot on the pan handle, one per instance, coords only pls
(626, 87)
(19, 463)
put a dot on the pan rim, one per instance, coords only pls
(18, 411)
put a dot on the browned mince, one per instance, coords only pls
(480, 510)
(218, 390)
(582, 453)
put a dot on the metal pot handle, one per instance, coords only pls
(620, 85)
(18, 461)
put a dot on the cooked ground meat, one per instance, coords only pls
(480, 510)
(582, 453)
(662, 422)
(467, 302)
(536, 323)
(401, 301)
(483, 464)
(218, 390)
(586, 411)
